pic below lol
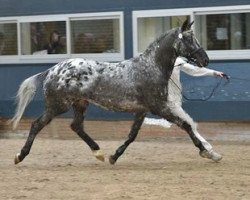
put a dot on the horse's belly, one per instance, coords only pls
(120, 106)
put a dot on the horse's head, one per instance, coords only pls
(187, 45)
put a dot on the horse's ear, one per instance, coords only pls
(189, 25)
(184, 26)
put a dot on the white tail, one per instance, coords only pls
(24, 96)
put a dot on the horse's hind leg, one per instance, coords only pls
(139, 117)
(178, 116)
(36, 127)
(79, 108)
(50, 112)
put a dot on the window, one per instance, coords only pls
(43, 38)
(223, 31)
(88, 37)
(51, 38)
(150, 24)
(8, 39)
(149, 28)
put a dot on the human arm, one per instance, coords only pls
(199, 71)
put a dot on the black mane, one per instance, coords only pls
(160, 39)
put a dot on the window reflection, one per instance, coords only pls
(8, 39)
(43, 38)
(149, 28)
(95, 36)
(224, 31)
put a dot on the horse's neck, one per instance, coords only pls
(163, 54)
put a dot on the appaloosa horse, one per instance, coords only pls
(138, 85)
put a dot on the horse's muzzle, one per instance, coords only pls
(206, 61)
(202, 60)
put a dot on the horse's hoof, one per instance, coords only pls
(112, 160)
(17, 160)
(211, 155)
(99, 155)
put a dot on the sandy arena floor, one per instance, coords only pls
(155, 170)
(162, 164)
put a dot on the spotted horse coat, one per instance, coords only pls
(138, 85)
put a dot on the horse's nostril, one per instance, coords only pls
(206, 61)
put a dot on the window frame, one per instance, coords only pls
(243, 54)
(54, 58)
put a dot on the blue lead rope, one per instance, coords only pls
(212, 92)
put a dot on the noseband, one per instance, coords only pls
(190, 55)
(195, 51)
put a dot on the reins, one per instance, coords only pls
(241, 79)
(210, 95)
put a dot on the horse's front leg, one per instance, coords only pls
(177, 115)
(139, 117)
(79, 109)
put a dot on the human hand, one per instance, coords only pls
(220, 74)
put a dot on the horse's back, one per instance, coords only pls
(71, 74)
